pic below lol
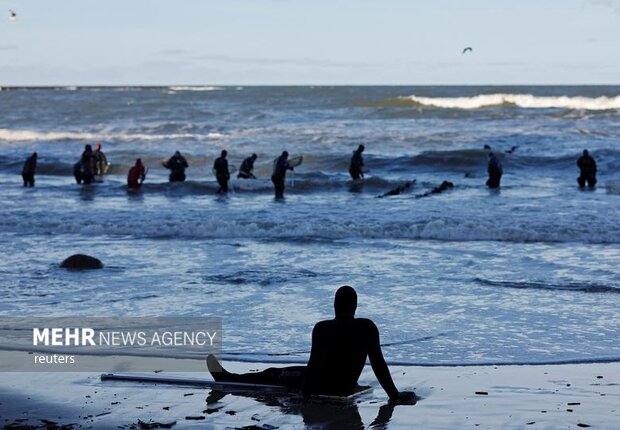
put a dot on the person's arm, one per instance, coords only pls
(379, 366)
(377, 362)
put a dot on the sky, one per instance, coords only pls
(309, 42)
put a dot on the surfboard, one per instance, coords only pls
(293, 162)
(296, 161)
(221, 385)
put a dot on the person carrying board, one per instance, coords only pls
(280, 166)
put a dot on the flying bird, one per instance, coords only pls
(469, 48)
(12, 15)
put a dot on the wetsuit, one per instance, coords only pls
(135, 176)
(101, 162)
(221, 174)
(279, 175)
(495, 172)
(177, 165)
(28, 171)
(587, 167)
(339, 351)
(356, 166)
(245, 172)
(88, 167)
(77, 171)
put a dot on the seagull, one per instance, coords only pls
(12, 15)
(469, 48)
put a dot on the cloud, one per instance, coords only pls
(8, 47)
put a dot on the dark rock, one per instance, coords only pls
(81, 262)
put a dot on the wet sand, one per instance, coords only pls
(486, 397)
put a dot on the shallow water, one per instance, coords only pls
(527, 274)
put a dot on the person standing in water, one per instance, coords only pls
(339, 351)
(101, 161)
(136, 175)
(177, 165)
(356, 168)
(29, 169)
(221, 172)
(247, 167)
(280, 166)
(88, 165)
(495, 171)
(587, 169)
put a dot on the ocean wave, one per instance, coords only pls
(584, 288)
(195, 224)
(195, 88)
(527, 101)
(49, 136)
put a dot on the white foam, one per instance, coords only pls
(35, 136)
(191, 88)
(520, 100)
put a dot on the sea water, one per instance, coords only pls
(525, 274)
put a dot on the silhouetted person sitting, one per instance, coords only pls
(340, 348)
(29, 169)
(495, 171)
(587, 168)
(177, 165)
(247, 167)
(222, 174)
(356, 168)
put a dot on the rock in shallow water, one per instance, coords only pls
(81, 261)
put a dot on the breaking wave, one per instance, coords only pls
(585, 288)
(527, 101)
(47, 136)
(198, 223)
(195, 88)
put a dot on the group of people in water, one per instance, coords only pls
(90, 165)
(221, 169)
(94, 163)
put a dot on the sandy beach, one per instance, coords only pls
(487, 397)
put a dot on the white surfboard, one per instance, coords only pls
(224, 386)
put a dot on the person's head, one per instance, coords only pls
(585, 152)
(34, 154)
(361, 148)
(224, 153)
(177, 154)
(345, 302)
(254, 156)
(88, 148)
(139, 162)
(491, 154)
(285, 154)
(98, 146)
